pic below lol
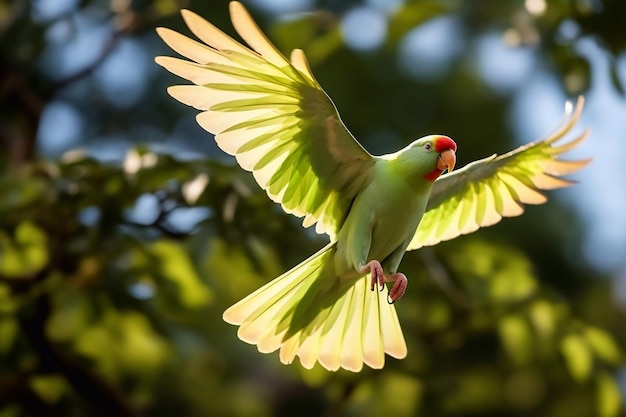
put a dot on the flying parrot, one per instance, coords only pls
(273, 116)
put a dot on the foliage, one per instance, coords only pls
(114, 275)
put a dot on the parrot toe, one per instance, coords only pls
(400, 283)
(378, 276)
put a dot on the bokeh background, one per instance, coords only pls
(125, 232)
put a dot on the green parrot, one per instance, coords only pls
(273, 116)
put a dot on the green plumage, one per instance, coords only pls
(273, 116)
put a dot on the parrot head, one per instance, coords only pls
(430, 156)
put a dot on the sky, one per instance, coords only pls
(538, 100)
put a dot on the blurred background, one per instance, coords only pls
(125, 232)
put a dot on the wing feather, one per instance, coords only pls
(250, 32)
(467, 220)
(189, 48)
(272, 115)
(481, 193)
(491, 215)
(211, 35)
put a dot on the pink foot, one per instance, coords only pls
(400, 283)
(378, 276)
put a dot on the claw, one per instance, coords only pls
(400, 284)
(378, 276)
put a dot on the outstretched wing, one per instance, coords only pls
(272, 115)
(484, 191)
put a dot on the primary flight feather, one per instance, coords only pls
(273, 116)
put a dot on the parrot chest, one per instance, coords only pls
(394, 219)
(380, 224)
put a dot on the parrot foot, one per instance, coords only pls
(400, 283)
(378, 276)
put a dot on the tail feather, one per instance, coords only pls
(351, 358)
(266, 295)
(262, 325)
(393, 338)
(306, 343)
(373, 345)
(276, 318)
(309, 349)
(310, 313)
(264, 331)
(334, 330)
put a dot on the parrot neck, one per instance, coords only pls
(413, 171)
(433, 175)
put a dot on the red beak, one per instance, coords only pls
(446, 160)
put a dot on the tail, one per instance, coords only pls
(311, 313)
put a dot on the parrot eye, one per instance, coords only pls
(428, 146)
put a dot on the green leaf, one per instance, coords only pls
(578, 357)
(304, 33)
(608, 396)
(493, 273)
(71, 315)
(122, 342)
(8, 332)
(411, 15)
(174, 264)
(8, 303)
(50, 388)
(25, 253)
(390, 385)
(19, 192)
(227, 259)
(517, 338)
(11, 410)
(543, 317)
(603, 345)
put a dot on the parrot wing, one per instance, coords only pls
(272, 115)
(484, 191)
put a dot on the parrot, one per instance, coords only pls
(272, 115)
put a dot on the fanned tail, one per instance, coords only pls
(310, 313)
